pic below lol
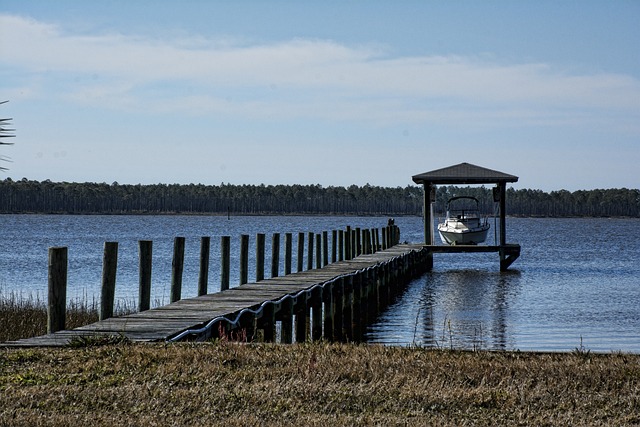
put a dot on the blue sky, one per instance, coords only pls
(329, 93)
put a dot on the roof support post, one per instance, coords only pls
(427, 213)
(429, 197)
(503, 225)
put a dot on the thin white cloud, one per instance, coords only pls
(309, 78)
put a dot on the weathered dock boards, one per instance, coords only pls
(161, 323)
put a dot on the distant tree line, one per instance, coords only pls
(536, 203)
(26, 196)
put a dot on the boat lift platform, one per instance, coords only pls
(508, 253)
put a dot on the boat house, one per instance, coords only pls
(467, 174)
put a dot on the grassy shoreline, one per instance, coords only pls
(313, 384)
(216, 383)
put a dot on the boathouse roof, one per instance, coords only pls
(464, 173)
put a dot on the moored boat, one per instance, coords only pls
(463, 224)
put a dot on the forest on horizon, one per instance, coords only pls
(27, 196)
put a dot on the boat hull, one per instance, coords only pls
(452, 236)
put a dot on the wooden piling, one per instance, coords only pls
(286, 321)
(109, 268)
(347, 244)
(145, 252)
(300, 256)
(340, 245)
(325, 248)
(203, 274)
(318, 250)
(366, 241)
(310, 252)
(329, 309)
(376, 240)
(246, 331)
(177, 266)
(244, 259)
(334, 245)
(337, 295)
(316, 313)
(57, 301)
(275, 255)
(225, 262)
(347, 307)
(288, 248)
(302, 318)
(353, 244)
(357, 303)
(260, 245)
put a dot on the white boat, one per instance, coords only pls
(463, 225)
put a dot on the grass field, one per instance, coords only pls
(99, 382)
(313, 384)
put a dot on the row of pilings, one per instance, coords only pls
(346, 245)
(337, 310)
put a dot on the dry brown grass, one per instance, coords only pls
(313, 384)
(26, 316)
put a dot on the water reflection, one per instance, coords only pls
(465, 308)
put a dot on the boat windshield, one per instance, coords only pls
(462, 204)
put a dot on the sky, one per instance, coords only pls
(332, 93)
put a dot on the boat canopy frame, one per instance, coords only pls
(466, 173)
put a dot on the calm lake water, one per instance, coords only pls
(576, 283)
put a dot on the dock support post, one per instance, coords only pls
(301, 311)
(384, 238)
(275, 255)
(316, 313)
(109, 269)
(503, 207)
(267, 323)
(318, 251)
(337, 295)
(340, 245)
(260, 256)
(374, 240)
(286, 319)
(310, 252)
(327, 298)
(334, 245)
(347, 244)
(246, 327)
(225, 262)
(288, 248)
(145, 250)
(177, 267)
(358, 304)
(244, 259)
(429, 197)
(325, 248)
(57, 302)
(203, 276)
(347, 307)
(358, 242)
(300, 258)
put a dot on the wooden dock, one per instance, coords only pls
(334, 303)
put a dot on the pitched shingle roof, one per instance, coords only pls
(464, 173)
